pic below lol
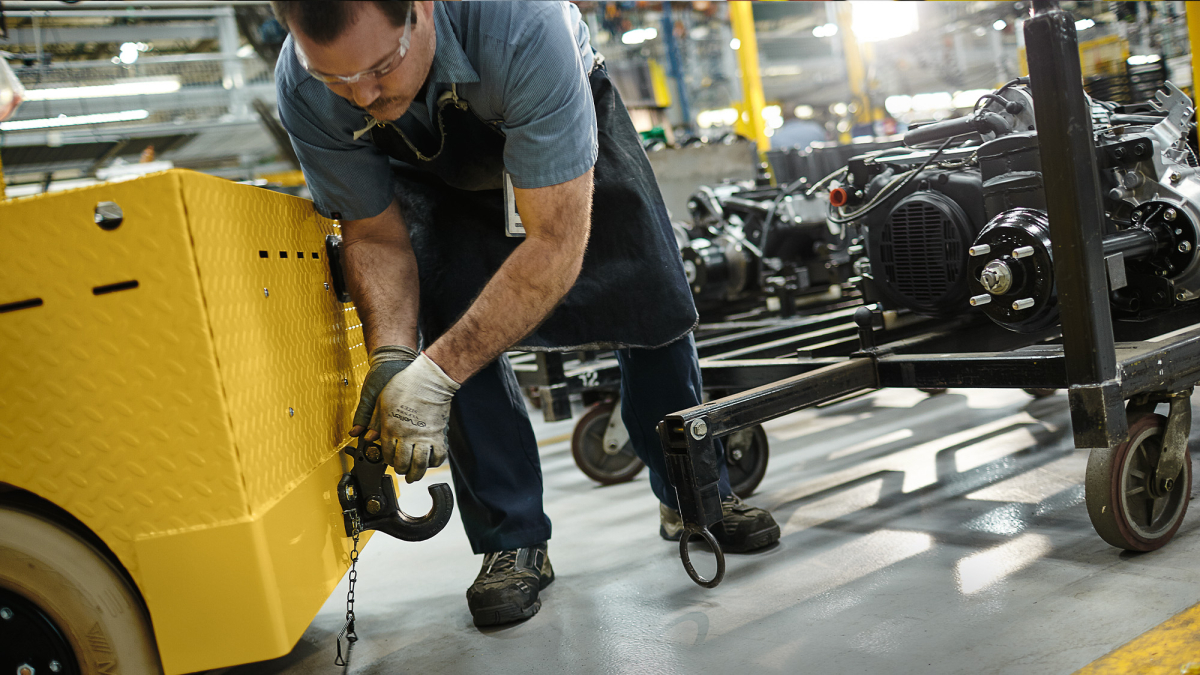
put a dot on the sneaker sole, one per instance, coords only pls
(502, 614)
(497, 615)
(760, 539)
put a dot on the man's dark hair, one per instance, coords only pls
(323, 21)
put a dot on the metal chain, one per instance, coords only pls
(348, 628)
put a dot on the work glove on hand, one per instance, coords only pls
(412, 415)
(385, 362)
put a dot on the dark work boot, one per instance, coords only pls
(507, 587)
(743, 528)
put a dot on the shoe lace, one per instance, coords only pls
(507, 560)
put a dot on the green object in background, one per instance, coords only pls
(656, 133)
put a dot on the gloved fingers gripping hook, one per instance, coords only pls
(690, 531)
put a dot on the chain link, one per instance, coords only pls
(348, 628)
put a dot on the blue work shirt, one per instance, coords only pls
(521, 65)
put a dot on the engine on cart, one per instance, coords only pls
(945, 229)
(747, 243)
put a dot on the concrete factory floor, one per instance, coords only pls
(920, 535)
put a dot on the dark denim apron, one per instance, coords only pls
(631, 291)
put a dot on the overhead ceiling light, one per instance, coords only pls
(131, 88)
(827, 30)
(735, 44)
(74, 120)
(875, 21)
(804, 112)
(1000, 24)
(639, 35)
(1084, 24)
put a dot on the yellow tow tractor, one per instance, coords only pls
(177, 373)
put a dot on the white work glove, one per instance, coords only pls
(412, 416)
(385, 362)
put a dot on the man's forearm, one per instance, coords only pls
(381, 273)
(530, 283)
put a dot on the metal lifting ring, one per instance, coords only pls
(690, 531)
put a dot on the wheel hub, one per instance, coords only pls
(33, 642)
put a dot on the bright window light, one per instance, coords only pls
(1000, 24)
(639, 35)
(839, 108)
(131, 88)
(724, 117)
(898, 105)
(1140, 60)
(773, 116)
(1084, 24)
(75, 120)
(735, 44)
(968, 98)
(827, 30)
(875, 21)
(804, 112)
(941, 100)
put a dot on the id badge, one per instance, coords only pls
(513, 226)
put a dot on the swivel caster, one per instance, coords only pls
(1130, 505)
(605, 455)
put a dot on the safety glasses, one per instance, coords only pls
(376, 73)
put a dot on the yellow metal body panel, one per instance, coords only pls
(192, 422)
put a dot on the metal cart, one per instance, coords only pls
(1138, 478)
(737, 353)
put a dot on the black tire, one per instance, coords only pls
(1040, 392)
(746, 453)
(587, 447)
(59, 589)
(1122, 500)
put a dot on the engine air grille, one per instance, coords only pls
(922, 247)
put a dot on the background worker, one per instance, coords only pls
(410, 121)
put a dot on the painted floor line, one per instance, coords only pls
(1171, 647)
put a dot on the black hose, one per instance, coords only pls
(885, 192)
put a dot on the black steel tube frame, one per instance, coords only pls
(1099, 372)
(1072, 188)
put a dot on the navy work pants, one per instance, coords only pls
(494, 455)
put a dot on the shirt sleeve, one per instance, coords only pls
(349, 179)
(549, 117)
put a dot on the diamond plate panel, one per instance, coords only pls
(110, 404)
(290, 354)
(191, 420)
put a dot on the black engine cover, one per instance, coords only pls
(918, 247)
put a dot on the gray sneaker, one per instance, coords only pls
(508, 584)
(743, 528)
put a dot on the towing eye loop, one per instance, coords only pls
(690, 531)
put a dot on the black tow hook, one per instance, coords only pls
(368, 498)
